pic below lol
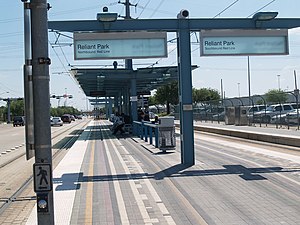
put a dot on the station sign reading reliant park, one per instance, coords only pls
(244, 42)
(118, 45)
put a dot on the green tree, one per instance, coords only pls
(17, 107)
(276, 96)
(64, 110)
(205, 94)
(152, 100)
(3, 113)
(167, 94)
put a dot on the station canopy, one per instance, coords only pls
(97, 82)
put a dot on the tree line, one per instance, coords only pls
(17, 109)
(165, 95)
(168, 95)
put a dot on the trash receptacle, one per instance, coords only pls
(241, 118)
(229, 115)
(166, 133)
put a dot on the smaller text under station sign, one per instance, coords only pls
(42, 177)
(120, 45)
(244, 42)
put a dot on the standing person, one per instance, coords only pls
(146, 116)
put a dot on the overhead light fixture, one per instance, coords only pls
(263, 16)
(105, 16)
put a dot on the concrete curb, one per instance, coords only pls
(270, 138)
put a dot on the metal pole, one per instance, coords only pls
(8, 110)
(186, 107)
(278, 77)
(41, 101)
(297, 98)
(28, 95)
(295, 76)
(249, 83)
(222, 95)
(128, 65)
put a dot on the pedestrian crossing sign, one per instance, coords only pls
(42, 175)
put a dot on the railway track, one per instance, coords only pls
(12, 186)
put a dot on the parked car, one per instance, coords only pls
(279, 119)
(265, 116)
(56, 121)
(253, 109)
(293, 117)
(219, 116)
(18, 121)
(79, 117)
(66, 118)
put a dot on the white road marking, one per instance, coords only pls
(150, 187)
(118, 192)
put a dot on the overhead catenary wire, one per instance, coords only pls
(159, 5)
(144, 8)
(261, 8)
(63, 65)
(226, 8)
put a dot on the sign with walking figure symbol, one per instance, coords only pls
(42, 177)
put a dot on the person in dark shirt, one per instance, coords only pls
(118, 124)
(140, 115)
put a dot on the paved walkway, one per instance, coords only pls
(105, 179)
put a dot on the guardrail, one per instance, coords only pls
(145, 131)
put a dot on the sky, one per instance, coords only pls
(267, 72)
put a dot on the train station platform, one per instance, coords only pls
(257, 132)
(107, 179)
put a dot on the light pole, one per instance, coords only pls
(249, 85)
(239, 91)
(278, 77)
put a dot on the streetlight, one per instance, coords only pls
(249, 85)
(105, 16)
(278, 77)
(263, 16)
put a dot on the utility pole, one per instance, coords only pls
(295, 77)
(28, 96)
(222, 96)
(41, 102)
(296, 92)
(128, 65)
(249, 79)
